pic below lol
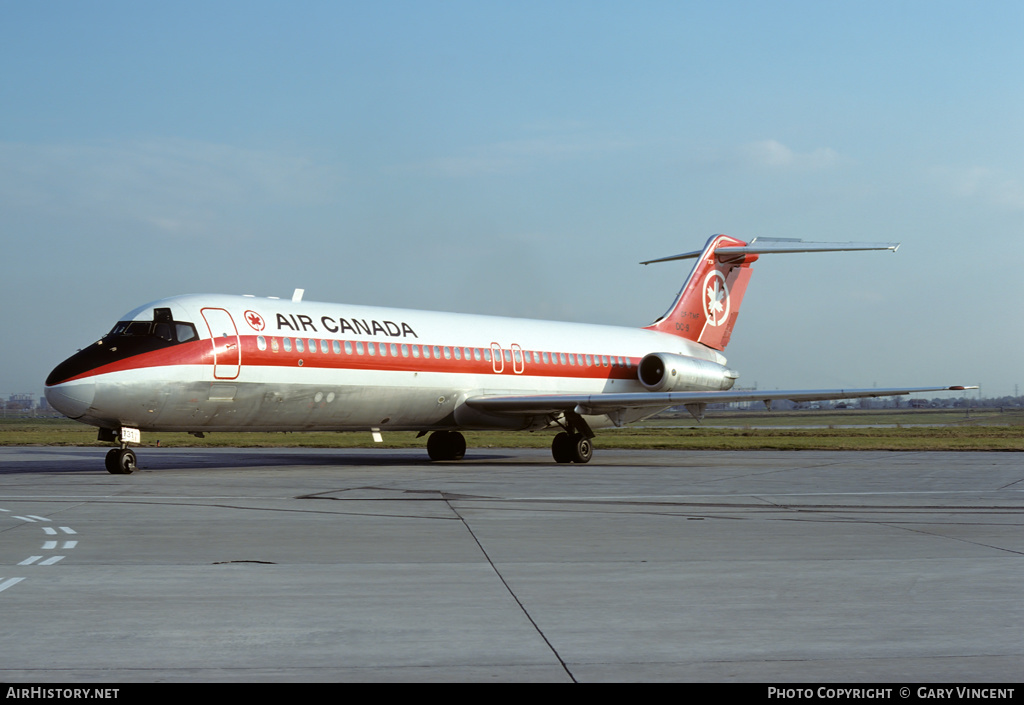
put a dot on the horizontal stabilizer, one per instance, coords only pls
(773, 245)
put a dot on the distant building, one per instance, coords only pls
(20, 401)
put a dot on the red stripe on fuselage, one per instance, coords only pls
(200, 352)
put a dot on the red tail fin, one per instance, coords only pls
(707, 306)
(705, 310)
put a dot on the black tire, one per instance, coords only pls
(562, 448)
(436, 443)
(126, 461)
(456, 446)
(111, 461)
(446, 445)
(582, 449)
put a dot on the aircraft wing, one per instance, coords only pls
(591, 404)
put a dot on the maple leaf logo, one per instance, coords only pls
(255, 320)
(716, 298)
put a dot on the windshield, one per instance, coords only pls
(171, 331)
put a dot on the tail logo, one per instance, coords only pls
(716, 298)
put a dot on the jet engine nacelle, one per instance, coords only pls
(668, 372)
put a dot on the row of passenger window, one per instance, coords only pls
(515, 356)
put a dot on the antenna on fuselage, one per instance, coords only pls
(297, 295)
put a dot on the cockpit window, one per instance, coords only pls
(186, 332)
(168, 331)
(126, 339)
(163, 331)
(132, 328)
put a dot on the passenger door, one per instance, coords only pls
(227, 349)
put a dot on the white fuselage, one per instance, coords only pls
(272, 364)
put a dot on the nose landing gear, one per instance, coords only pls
(122, 460)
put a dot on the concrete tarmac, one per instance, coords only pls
(291, 565)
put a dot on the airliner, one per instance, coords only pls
(209, 362)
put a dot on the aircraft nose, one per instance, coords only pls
(72, 399)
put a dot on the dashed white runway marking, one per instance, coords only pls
(47, 545)
(4, 584)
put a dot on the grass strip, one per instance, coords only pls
(894, 431)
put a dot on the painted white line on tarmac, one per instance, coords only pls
(9, 582)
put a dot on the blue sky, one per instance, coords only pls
(520, 158)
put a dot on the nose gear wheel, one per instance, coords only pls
(121, 461)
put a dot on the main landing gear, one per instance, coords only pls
(446, 445)
(572, 448)
(572, 445)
